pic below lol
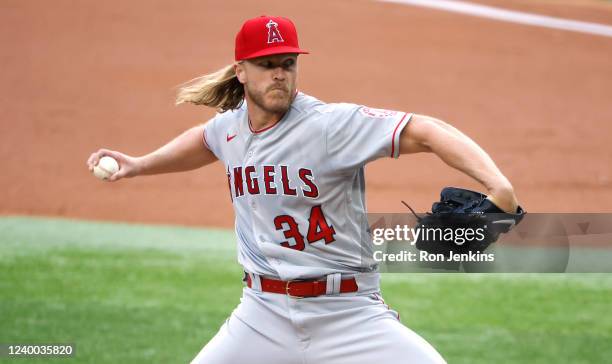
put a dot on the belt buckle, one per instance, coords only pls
(287, 290)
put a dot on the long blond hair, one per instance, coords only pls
(220, 89)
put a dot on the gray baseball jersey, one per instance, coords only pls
(298, 186)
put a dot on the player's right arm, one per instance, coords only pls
(183, 153)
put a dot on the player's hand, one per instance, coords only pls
(505, 201)
(128, 166)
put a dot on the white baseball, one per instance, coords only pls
(106, 167)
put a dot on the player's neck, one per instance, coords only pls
(261, 119)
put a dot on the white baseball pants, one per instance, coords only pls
(271, 328)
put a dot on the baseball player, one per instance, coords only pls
(295, 169)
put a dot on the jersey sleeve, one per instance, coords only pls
(357, 134)
(210, 137)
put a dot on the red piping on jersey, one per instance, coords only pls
(264, 129)
(380, 299)
(395, 131)
(273, 125)
(204, 139)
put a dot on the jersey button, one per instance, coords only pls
(250, 153)
(253, 205)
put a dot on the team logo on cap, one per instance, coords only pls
(274, 35)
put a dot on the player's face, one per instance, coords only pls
(270, 81)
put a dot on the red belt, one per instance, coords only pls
(301, 288)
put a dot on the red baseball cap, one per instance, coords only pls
(266, 35)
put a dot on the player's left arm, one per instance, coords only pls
(427, 134)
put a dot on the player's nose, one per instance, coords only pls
(279, 74)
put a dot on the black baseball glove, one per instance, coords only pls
(463, 221)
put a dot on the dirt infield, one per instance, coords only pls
(77, 76)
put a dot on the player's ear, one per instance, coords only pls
(240, 71)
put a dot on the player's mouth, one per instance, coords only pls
(279, 88)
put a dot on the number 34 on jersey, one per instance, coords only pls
(245, 180)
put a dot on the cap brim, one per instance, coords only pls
(274, 50)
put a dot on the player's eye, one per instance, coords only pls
(288, 63)
(266, 64)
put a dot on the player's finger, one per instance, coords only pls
(118, 175)
(95, 157)
(90, 162)
(115, 155)
(93, 160)
(107, 152)
(121, 173)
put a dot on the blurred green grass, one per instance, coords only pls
(156, 294)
